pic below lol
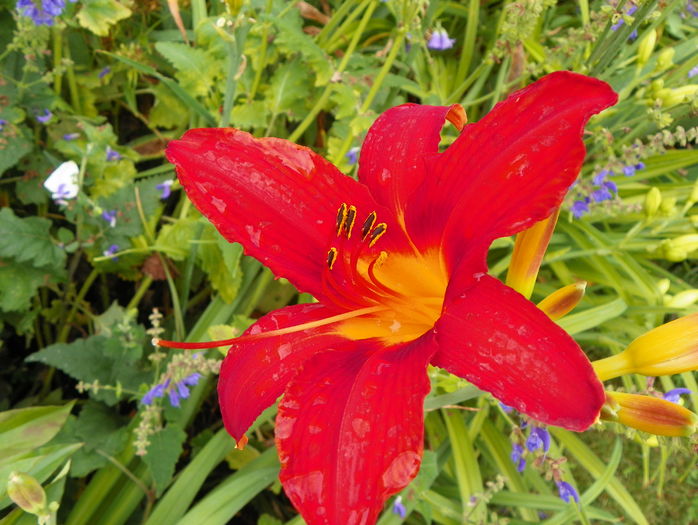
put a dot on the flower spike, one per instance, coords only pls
(671, 348)
(562, 301)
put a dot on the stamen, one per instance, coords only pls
(271, 333)
(378, 232)
(368, 225)
(349, 222)
(341, 218)
(331, 257)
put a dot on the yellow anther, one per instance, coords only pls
(350, 219)
(368, 225)
(341, 218)
(331, 257)
(378, 232)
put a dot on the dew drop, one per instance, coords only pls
(219, 204)
(284, 350)
(401, 470)
(361, 427)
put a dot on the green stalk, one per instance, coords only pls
(235, 49)
(468, 49)
(57, 57)
(336, 19)
(140, 292)
(377, 84)
(65, 328)
(310, 117)
(263, 55)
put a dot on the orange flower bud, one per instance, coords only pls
(649, 414)
(529, 249)
(668, 349)
(562, 301)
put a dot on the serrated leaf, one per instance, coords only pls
(221, 262)
(289, 90)
(346, 101)
(99, 15)
(196, 69)
(175, 239)
(168, 111)
(250, 115)
(19, 284)
(31, 242)
(163, 453)
(291, 39)
(100, 428)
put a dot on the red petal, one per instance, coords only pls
(255, 373)
(392, 156)
(498, 340)
(510, 169)
(277, 199)
(350, 430)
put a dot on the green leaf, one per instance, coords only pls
(592, 317)
(221, 261)
(19, 284)
(163, 453)
(250, 115)
(291, 39)
(168, 111)
(31, 242)
(197, 70)
(100, 429)
(99, 15)
(289, 90)
(24, 429)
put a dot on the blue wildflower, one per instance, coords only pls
(399, 507)
(352, 155)
(506, 408)
(71, 136)
(192, 379)
(112, 155)
(693, 72)
(674, 395)
(173, 394)
(538, 439)
(105, 71)
(110, 217)
(610, 185)
(629, 170)
(600, 195)
(567, 492)
(640, 166)
(439, 40)
(182, 389)
(580, 207)
(45, 117)
(157, 391)
(109, 252)
(517, 452)
(621, 21)
(601, 176)
(3, 123)
(165, 188)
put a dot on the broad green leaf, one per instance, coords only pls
(24, 429)
(163, 452)
(291, 39)
(175, 239)
(221, 262)
(19, 284)
(168, 111)
(197, 70)
(592, 317)
(250, 115)
(99, 15)
(31, 242)
(289, 90)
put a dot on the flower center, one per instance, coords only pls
(407, 286)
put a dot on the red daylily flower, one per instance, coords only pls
(397, 262)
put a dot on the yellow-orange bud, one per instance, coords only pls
(649, 414)
(668, 349)
(529, 249)
(562, 301)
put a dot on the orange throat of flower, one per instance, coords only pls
(415, 285)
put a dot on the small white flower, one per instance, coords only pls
(63, 181)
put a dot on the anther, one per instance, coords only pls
(331, 257)
(378, 232)
(341, 218)
(349, 222)
(368, 225)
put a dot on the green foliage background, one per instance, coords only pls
(127, 76)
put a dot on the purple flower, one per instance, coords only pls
(112, 155)
(39, 15)
(110, 217)
(71, 136)
(3, 123)
(640, 166)
(629, 171)
(600, 177)
(506, 408)
(538, 439)
(105, 71)
(567, 492)
(192, 379)
(352, 155)
(621, 21)
(109, 252)
(399, 507)
(46, 117)
(580, 207)
(165, 188)
(674, 395)
(693, 72)
(182, 389)
(600, 195)
(174, 397)
(610, 185)
(157, 391)
(440, 40)
(517, 458)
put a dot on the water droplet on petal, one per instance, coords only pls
(401, 470)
